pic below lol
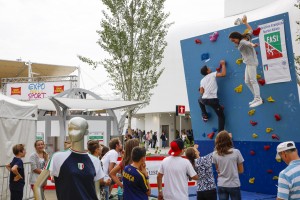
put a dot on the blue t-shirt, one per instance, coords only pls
(17, 185)
(75, 174)
(135, 184)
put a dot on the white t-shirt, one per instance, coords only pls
(209, 83)
(110, 157)
(176, 171)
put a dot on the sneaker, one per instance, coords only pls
(257, 102)
(251, 102)
(205, 118)
(238, 21)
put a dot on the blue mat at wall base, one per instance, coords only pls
(245, 195)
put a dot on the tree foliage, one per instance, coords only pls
(133, 33)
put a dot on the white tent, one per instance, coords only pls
(17, 125)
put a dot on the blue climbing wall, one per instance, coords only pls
(236, 105)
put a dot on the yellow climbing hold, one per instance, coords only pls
(275, 177)
(278, 160)
(239, 89)
(246, 31)
(254, 135)
(239, 61)
(258, 76)
(270, 99)
(251, 180)
(251, 112)
(269, 130)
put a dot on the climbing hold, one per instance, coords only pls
(258, 76)
(205, 56)
(211, 135)
(251, 180)
(214, 129)
(254, 135)
(251, 112)
(252, 153)
(239, 89)
(278, 159)
(213, 37)
(198, 41)
(262, 82)
(222, 107)
(277, 117)
(275, 177)
(256, 31)
(253, 123)
(204, 134)
(267, 147)
(270, 99)
(239, 61)
(269, 171)
(268, 130)
(219, 68)
(246, 31)
(275, 137)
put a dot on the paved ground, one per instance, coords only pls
(51, 195)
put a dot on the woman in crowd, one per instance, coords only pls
(206, 187)
(229, 164)
(38, 159)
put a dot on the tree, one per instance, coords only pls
(133, 33)
(297, 58)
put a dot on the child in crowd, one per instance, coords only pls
(126, 160)
(38, 160)
(229, 164)
(206, 187)
(248, 52)
(17, 176)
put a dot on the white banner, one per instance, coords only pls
(36, 90)
(273, 52)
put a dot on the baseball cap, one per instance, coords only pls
(176, 147)
(284, 146)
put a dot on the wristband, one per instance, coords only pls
(160, 190)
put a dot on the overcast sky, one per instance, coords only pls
(55, 31)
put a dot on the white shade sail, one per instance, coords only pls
(83, 104)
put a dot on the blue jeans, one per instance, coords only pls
(164, 143)
(233, 192)
(106, 189)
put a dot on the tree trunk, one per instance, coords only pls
(129, 122)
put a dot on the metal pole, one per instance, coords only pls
(180, 126)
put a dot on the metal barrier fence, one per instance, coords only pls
(4, 183)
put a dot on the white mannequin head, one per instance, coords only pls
(77, 128)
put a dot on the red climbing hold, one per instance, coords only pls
(256, 31)
(267, 147)
(269, 171)
(211, 135)
(219, 68)
(275, 137)
(198, 41)
(277, 117)
(252, 153)
(253, 123)
(262, 82)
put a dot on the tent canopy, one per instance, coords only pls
(10, 69)
(17, 125)
(83, 104)
(15, 109)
